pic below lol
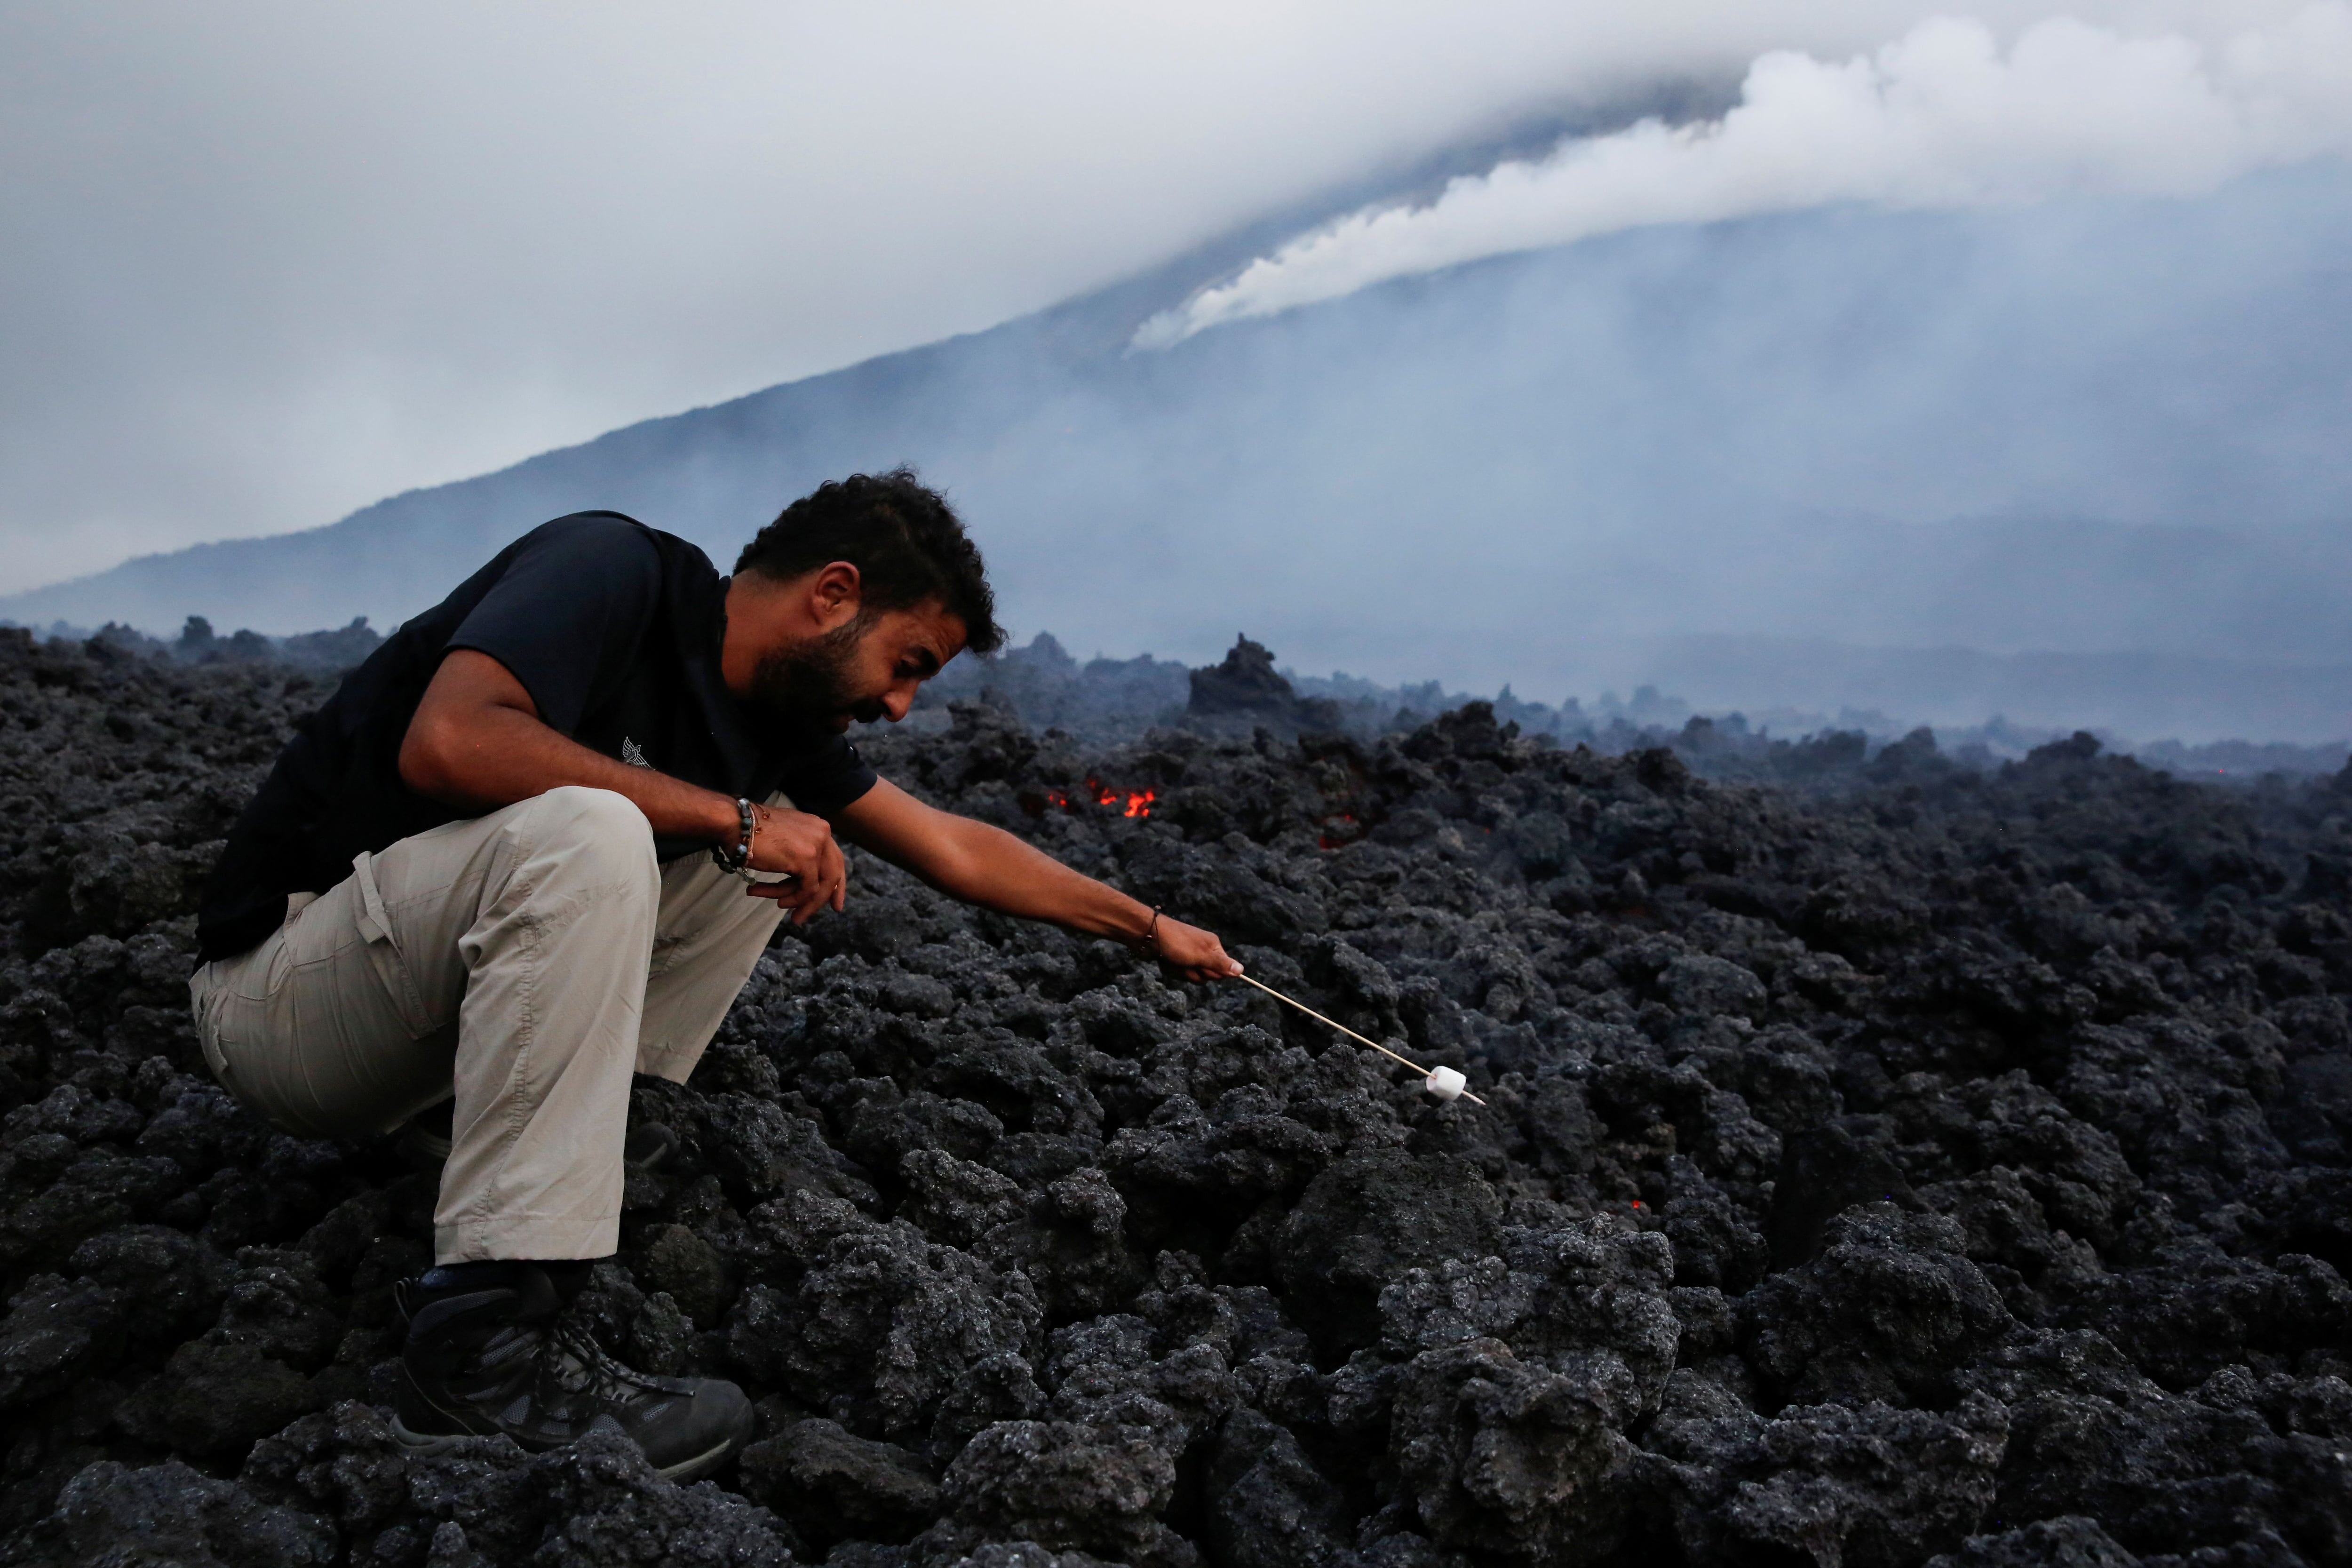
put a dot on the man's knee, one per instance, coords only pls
(600, 833)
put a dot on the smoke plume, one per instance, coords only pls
(1942, 119)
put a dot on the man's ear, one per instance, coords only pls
(835, 592)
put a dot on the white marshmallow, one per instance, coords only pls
(1445, 1083)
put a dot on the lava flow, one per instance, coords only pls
(1988, 1216)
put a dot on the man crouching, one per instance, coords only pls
(535, 844)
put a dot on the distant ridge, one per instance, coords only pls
(1559, 469)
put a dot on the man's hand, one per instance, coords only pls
(1195, 953)
(802, 847)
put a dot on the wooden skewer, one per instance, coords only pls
(1347, 1031)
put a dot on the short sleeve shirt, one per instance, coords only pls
(614, 628)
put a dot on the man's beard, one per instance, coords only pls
(807, 684)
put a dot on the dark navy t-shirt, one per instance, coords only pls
(614, 628)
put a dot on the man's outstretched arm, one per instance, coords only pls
(477, 742)
(987, 866)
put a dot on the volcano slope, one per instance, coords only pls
(1918, 1164)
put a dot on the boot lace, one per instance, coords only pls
(583, 1368)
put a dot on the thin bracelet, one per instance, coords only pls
(1145, 940)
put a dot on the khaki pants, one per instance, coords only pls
(527, 961)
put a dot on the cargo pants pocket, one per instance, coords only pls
(204, 1002)
(391, 966)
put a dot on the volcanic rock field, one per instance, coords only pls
(1884, 1161)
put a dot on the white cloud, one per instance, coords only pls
(1943, 117)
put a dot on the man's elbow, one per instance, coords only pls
(957, 859)
(428, 754)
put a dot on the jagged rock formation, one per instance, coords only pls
(1248, 689)
(1909, 1163)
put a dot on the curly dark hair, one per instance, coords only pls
(906, 542)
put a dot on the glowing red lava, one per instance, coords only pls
(1130, 803)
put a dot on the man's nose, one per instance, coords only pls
(899, 700)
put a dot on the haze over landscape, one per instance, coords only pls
(1943, 367)
(1742, 614)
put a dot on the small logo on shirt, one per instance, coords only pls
(633, 753)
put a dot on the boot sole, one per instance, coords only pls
(428, 1443)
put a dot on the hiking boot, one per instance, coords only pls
(423, 1141)
(488, 1353)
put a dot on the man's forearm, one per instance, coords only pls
(986, 866)
(504, 755)
(991, 868)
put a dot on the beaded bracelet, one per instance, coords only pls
(737, 857)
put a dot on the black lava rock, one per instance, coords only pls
(1885, 1160)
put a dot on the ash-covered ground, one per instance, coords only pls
(1904, 1162)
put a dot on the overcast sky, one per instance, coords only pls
(261, 264)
